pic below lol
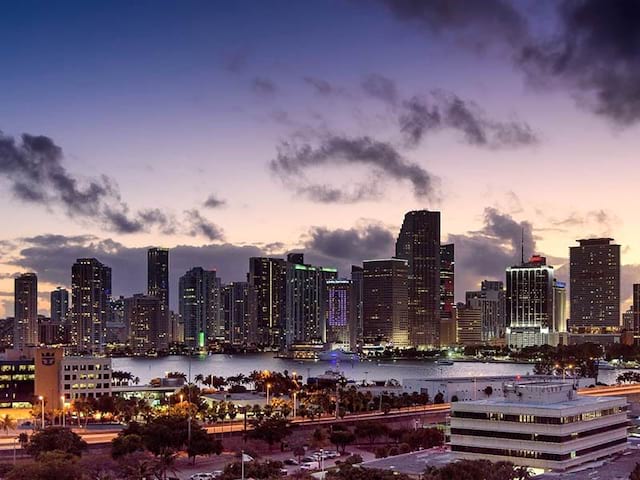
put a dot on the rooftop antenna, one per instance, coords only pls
(522, 246)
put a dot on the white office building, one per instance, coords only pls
(540, 425)
(85, 377)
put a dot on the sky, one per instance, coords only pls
(225, 130)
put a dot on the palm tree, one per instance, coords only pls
(7, 422)
(199, 378)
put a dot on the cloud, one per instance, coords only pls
(353, 244)
(51, 257)
(422, 115)
(33, 167)
(352, 194)
(293, 162)
(214, 202)
(236, 61)
(589, 47)
(264, 86)
(486, 253)
(320, 86)
(381, 88)
(201, 226)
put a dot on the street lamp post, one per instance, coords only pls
(295, 403)
(41, 398)
(268, 387)
(64, 420)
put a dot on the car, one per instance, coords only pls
(309, 459)
(202, 476)
(291, 461)
(310, 465)
(331, 454)
(284, 472)
(217, 473)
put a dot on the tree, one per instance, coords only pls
(7, 422)
(488, 390)
(55, 438)
(271, 429)
(439, 398)
(628, 377)
(299, 452)
(477, 470)
(342, 438)
(125, 444)
(423, 438)
(203, 444)
(635, 474)
(371, 430)
(54, 465)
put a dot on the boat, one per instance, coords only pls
(337, 355)
(444, 362)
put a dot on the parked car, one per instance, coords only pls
(202, 476)
(291, 461)
(217, 473)
(309, 459)
(331, 454)
(284, 472)
(314, 465)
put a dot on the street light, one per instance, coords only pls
(181, 397)
(268, 387)
(41, 398)
(295, 403)
(63, 412)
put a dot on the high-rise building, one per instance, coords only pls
(357, 276)
(447, 280)
(594, 277)
(236, 312)
(158, 286)
(267, 306)
(419, 244)
(306, 300)
(635, 308)
(200, 306)
(340, 312)
(559, 307)
(469, 324)
(25, 333)
(385, 301)
(490, 300)
(117, 331)
(529, 302)
(90, 295)
(59, 305)
(144, 316)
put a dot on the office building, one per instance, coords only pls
(26, 311)
(559, 307)
(158, 287)
(116, 331)
(544, 425)
(357, 279)
(594, 277)
(447, 280)
(90, 296)
(144, 318)
(385, 302)
(236, 312)
(60, 305)
(199, 298)
(529, 302)
(176, 328)
(52, 333)
(306, 300)
(340, 313)
(635, 308)
(17, 379)
(267, 306)
(419, 244)
(6, 332)
(490, 300)
(468, 324)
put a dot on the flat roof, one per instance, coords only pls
(579, 401)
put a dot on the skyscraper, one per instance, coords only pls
(267, 306)
(90, 295)
(25, 333)
(490, 300)
(385, 301)
(306, 300)
(529, 302)
(144, 316)
(357, 278)
(340, 312)
(199, 302)
(158, 286)
(635, 308)
(60, 305)
(236, 312)
(594, 276)
(419, 244)
(559, 306)
(469, 324)
(447, 280)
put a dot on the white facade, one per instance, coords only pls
(540, 425)
(465, 389)
(85, 377)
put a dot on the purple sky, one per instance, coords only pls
(313, 126)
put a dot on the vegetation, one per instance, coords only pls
(477, 470)
(55, 439)
(271, 429)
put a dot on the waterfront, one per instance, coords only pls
(228, 365)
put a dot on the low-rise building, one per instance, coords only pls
(541, 425)
(85, 377)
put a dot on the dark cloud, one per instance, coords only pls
(201, 226)
(293, 162)
(589, 47)
(320, 86)
(422, 115)
(264, 86)
(51, 257)
(486, 253)
(381, 88)
(214, 202)
(236, 61)
(33, 167)
(353, 244)
(328, 194)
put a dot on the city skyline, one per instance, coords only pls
(170, 134)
